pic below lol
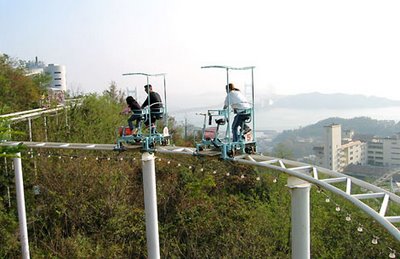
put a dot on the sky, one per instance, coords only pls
(296, 46)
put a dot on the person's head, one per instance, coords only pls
(130, 100)
(147, 88)
(231, 87)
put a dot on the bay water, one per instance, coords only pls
(280, 119)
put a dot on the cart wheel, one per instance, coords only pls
(165, 142)
(250, 149)
(231, 153)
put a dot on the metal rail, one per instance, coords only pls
(57, 145)
(21, 113)
(386, 177)
(34, 114)
(312, 174)
(299, 170)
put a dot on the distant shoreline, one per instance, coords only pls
(280, 119)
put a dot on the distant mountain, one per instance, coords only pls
(332, 101)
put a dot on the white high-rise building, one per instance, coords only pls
(57, 72)
(58, 77)
(332, 147)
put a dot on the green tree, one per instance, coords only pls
(17, 90)
(6, 134)
(114, 93)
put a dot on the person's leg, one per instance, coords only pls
(138, 120)
(153, 124)
(146, 120)
(246, 128)
(130, 121)
(235, 126)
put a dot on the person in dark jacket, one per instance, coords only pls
(134, 107)
(154, 101)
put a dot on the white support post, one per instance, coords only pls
(30, 129)
(150, 204)
(66, 117)
(8, 188)
(23, 230)
(45, 128)
(300, 204)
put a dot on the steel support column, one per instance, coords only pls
(30, 129)
(300, 205)
(45, 127)
(19, 183)
(150, 204)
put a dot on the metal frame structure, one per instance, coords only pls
(148, 82)
(227, 147)
(301, 177)
(14, 114)
(29, 115)
(312, 174)
(148, 141)
(19, 184)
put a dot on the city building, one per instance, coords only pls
(375, 152)
(58, 77)
(354, 152)
(57, 72)
(58, 84)
(337, 152)
(333, 147)
(384, 151)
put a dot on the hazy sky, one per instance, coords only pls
(297, 46)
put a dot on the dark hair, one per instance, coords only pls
(130, 101)
(148, 86)
(231, 87)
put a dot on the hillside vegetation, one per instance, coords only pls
(17, 91)
(89, 204)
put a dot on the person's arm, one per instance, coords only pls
(125, 111)
(145, 103)
(158, 99)
(226, 102)
(136, 106)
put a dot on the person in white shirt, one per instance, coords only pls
(239, 105)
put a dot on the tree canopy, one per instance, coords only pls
(18, 91)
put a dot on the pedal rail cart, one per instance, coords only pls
(212, 142)
(149, 140)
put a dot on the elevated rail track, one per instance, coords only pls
(322, 177)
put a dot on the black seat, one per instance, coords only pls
(220, 121)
